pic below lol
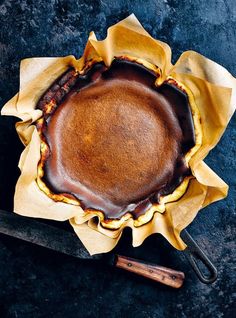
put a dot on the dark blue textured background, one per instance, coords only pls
(38, 283)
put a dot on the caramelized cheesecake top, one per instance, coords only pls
(117, 142)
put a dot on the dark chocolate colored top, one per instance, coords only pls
(116, 141)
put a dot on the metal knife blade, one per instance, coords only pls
(30, 230)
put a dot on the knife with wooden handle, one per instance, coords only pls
(51, 237)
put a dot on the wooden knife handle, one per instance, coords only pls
(157, 273)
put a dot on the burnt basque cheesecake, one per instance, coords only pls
(115, 143)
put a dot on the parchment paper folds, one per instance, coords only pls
(214, 92)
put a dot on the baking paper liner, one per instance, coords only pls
(214, 92)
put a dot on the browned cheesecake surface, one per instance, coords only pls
(117, 142)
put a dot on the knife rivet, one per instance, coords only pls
(173, 277)
(129, 264)
(151, 271)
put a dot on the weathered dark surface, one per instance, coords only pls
(38, 283)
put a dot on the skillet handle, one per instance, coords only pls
(195, 255)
